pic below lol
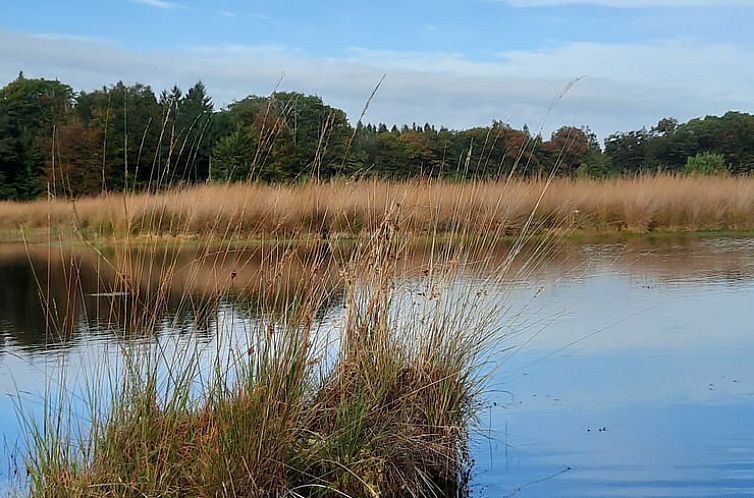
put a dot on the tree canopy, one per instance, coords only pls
(125, 137)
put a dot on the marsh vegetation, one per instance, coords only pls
(428, 208)
(289, 401)
(380, 403)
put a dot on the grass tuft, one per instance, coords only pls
(280, 400)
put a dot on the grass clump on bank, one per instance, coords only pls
(377, 402)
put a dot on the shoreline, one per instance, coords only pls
(41, 237)
(581, 209)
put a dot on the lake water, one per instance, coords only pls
(632, 374)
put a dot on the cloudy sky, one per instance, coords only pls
(450, 62)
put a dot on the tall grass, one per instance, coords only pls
(259, 389)
(233, 379)
(378, 399)
(637, 204)
(271, 393)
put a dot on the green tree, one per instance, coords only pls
(233, 157)
(595, 165)
(628, 151)
(388, 156)
(193, 131)
(30, 110)
(129, 122)
(705, 163)
(296, 135)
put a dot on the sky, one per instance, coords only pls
(612, 65)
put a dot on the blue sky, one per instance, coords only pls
(448, 62)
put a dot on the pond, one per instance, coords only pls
(630, 374)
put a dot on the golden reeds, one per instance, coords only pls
(254, 210)
(379, 403)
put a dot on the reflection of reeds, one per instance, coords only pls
(641, 204)
(245, 274)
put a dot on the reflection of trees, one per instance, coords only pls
(149, 289)
(43, 295)
(677, 259)
(19, 303)
(48, 296)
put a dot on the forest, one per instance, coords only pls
(56, 141)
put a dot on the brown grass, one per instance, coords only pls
(637, 204)
(383, 406)
(385, 413)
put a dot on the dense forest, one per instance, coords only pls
(125, 137)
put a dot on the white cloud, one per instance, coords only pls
(79, 38)
(625, 86)
(632, 3)
(159, 4)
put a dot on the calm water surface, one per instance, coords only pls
(633, 375)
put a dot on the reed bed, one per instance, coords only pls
(640, 204)
(277, 400)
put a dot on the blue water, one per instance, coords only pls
(633, 376)
(642, 387)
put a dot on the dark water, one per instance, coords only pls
(633, 374)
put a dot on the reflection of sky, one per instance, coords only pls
(628, 381)
(647, 450)
(25, 373)
(653, 395)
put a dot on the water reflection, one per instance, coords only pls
(48, 296)
(631, 375)
(101, 290)
(642, 387)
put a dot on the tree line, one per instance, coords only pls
(126, 137)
